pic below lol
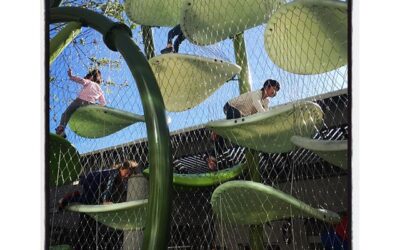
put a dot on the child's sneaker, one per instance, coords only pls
(60, 131)
(167, 50)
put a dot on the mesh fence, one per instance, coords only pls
(243, 183)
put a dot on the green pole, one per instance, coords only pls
(239, 45)
(147, 36)
(63, 38)
(118, 38)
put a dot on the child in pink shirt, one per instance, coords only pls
(90, 93)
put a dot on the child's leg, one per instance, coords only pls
(70, 110)
(178, 41)
(174, 32)
(231, 112)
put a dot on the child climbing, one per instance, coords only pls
(175, 31)
(102, 187)
(90, 93)
(244, 105)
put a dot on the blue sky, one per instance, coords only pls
(62, 91)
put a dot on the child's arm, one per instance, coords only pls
(102, 99)
(106, 195)
(76, 79)
(257, 103)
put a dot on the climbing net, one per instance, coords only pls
(281, 179)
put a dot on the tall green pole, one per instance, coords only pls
(239, 45)
(117, 37)
(148, 42)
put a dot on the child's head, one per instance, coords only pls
(94, 75)
(127, 168)
(271, 87)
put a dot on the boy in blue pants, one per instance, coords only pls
(175, 31)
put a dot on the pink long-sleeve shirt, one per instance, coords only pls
(91, 91)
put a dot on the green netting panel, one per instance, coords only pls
(271, 131)
(154, 12)
(130, 215)
(210, 21)
(334, 152)
(94, 121)
(186, 81)
(252, 203)
(63, 38)
(205, 179)
(64, 161)
(308, 36)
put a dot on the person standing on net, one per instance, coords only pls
(244, 105)
(90, 93)
(175, 31)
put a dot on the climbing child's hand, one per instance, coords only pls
(69, 72)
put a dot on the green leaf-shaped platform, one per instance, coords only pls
(334, 152)
(65, 166)
(185, 80)
(308, 36)
(209, 21)
(205, 179)
(271, 131)
(130, 215)
(154, 12)
(94, 121)
(252, 203)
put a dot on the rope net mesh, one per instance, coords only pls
(83, 168)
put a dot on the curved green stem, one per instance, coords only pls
(63, 38)
(118, 38)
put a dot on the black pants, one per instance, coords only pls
(176, 31)
(231, 112)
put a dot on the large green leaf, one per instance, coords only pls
(209, 21)
(130, 215)
(252, 203)
(308, 36)
(94, 121)
(271, 131)
(205, 179)
(185, 80)
(334, 152)
(65, 166)
(154, 12)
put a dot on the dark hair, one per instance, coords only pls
(96, 74)
(272, 83)
(128, 165)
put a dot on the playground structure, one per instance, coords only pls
(279, 184)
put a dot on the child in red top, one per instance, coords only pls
(90, 93)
